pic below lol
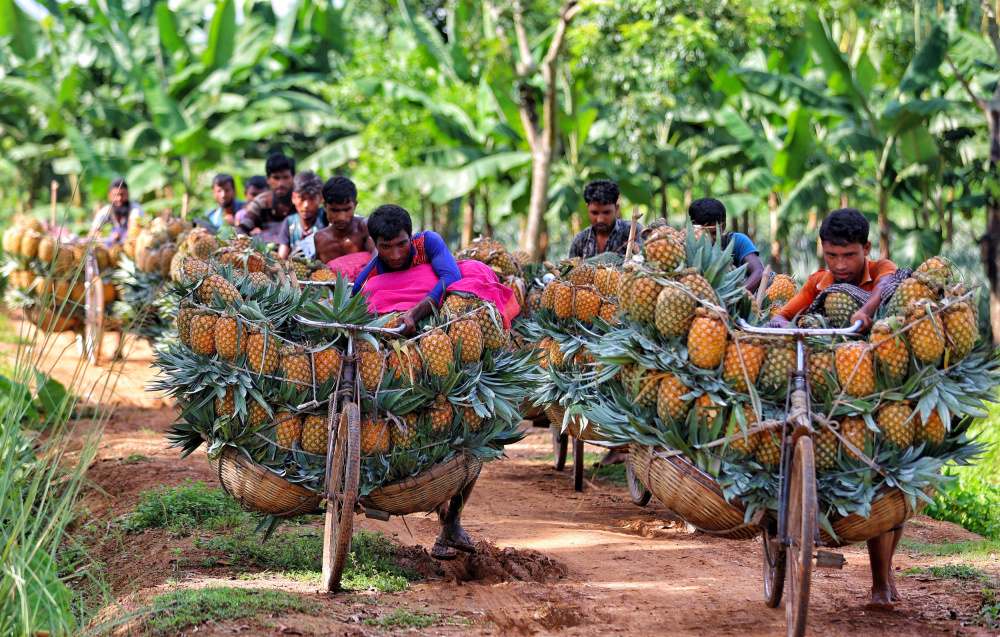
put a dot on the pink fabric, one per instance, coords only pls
(351, 265)
(400, 291)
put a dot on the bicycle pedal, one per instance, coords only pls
(829, 559)
(375, 514)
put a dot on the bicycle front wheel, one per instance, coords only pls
(801, 529)
(344, 474)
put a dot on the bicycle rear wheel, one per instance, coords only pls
(343, 475)
(774, 566)
(640, 494)
(801, 529)
(560, 444)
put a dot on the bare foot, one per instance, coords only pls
(893, 592)
(613, 456)
(881, 599)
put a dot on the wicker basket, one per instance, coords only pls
(556, 412)
(258, 489)
(50, 321)
(891, 508)
(690, 493)
(426, 490)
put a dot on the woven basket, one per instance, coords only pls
(258, 489)
(890, 509)
(49, 321)
(426, 490)
(530, 411)
(556, 412)
(690, 493)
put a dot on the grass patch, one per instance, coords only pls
(371, 564)
(968, 550)
(136, 458)
(178, 610)
(181, 509)
(615, 474)
(588, 458)
(8, 334)
(402, 618)
(964, 572)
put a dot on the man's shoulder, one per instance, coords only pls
(881, 268)
(263, 200)
(817, 276)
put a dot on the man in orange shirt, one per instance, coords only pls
(844, 234)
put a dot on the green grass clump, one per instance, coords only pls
(402, 618)
(967, 550)
(178, 610)
(180, 509)
(965, 572)
(615, 474)
(371, 564)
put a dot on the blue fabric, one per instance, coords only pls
(742, 247)
(434, 251)
(215, 217)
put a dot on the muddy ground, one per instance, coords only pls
(588, 563)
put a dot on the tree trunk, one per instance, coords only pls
(445, 221)
(487, 224)
(750, 232)
(687, 202)
(772, 206)
(663, 198)
(990, 242)
(843, 200)
(950, 223)
(423, 214)
(469, 219)
(541, 168)
(883, 222)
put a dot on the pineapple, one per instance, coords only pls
(404, 435)
(925, 334)
(853, 362)
(768, 450)
(203, 247)
(375, 436)
(741, 364)
(747, 443)
(931, 430)
(472, 419)
(890, 350)
(195, 269)
(642, 300)
(288, 429)
(202, 333)
(323, 275)
(442, 414)
(46, 249)
(825, 444)
(494, 336)
(406, 361)
(779, 362)
(700, 286)
(12, 240)
(609, 313)
(184, 315)
(625, 283)
(167, 253)
(897, 423)
(674, 312)
(839, 307)
(371, 366)
(226, 404)
(555, 355)
(607, 281)
(230, 338)
(562, 301)
(259, 279)
(781, 290)
(549, 294)
(315, 433)
(504, 264)
(705, 409)
(29, 245)
(438, 352)
(256, 414)
(938, 266)
(456, 305)
(820, 364)
(263, 353)
(707, 340)
(521, 256)
(588, 304)
(582, 274)
(961, 329)
(669, 402)
(665, 251)
(216, 285)
(468, 333)
(327, 364)
(855, 431)
(297, 367)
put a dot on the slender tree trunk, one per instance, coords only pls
(487, 224)
(772, 206)
(663, 198)
(423, 214)
(883, 221)
(949, 224)
(843, 200)
(990, 242)
(469, 219)
(541, 169)
(747, 229)
(687, 202)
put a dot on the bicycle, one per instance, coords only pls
(792, 543)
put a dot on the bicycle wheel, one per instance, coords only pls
(343, 473)
(640, 494)
(774, 566)
(801, 528)
(577, 464)
(93, 329)
(560, 443)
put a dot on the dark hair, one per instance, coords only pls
(118, 183)
(279, 162)
(707, 212)
(307, 183)
(257, 181)
(222, 179)
(339, 190)
(388, 221)
(844, 226)
(602, 191)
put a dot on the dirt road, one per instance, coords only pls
(616, 569)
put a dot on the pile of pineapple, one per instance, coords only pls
(894, 408)
(513, 268)
(47, 276)
(311, 270)
(247, 374)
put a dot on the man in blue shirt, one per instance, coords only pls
(710, 215)
(224, 193)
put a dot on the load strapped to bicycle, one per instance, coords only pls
(813, 435)
(306, 398)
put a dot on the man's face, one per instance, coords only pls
(252, 193)
(281, 182)
(306, 205)
(396, 252)
(340, 215)
(118, 196)
(224, 195)
(602, 216)
(846, 263)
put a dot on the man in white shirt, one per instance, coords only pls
(119, 214)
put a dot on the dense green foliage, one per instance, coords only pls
(183, 508)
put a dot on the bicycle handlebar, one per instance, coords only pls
(800, 331)
(386, 331)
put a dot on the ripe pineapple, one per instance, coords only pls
(820, 364)
(562, 301)
(925, 334)
(29, 244)
(230, 338)
(371, 366)
(854, 368)
(471, 337)
(215, 285)
(288, 429)
(297, 367)
(855, 431)
(203, 247)
(665, 251)
(700, 286)
(741, 364)
(768, 450)
(226, 405)
(961, 328)
(588, 304)
(521, 256)
(201, 334)
(642, 300)
(707, 340)
(11, 240)
(931, 430)
(609, 313)
(897, 423)
(494, 336)
(582, 274)
(705, 409)
(669, 402)
(263, 354)
(779, 362)
(404, 435)
(195, 269)
(549, 294)
(891, 351)
(625, 283)
(375, 436)
(607, 281)
(909, 291)
(838, 308)
(327, 364)
(555, 354)
(781, 290)
(674, 310)
(456, 305)
(747, 443)
(825, 444)
(438, 351)
(472, 419)
(324, 275)
(256, 413)
(166, 255)
(407, 361)
(184, 315)
(442, 414)
(259, 279)
(315, 433)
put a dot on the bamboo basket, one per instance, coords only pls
(690, 493)
(556, 412)
(258, 489)
(426, 490)
(890, 509)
